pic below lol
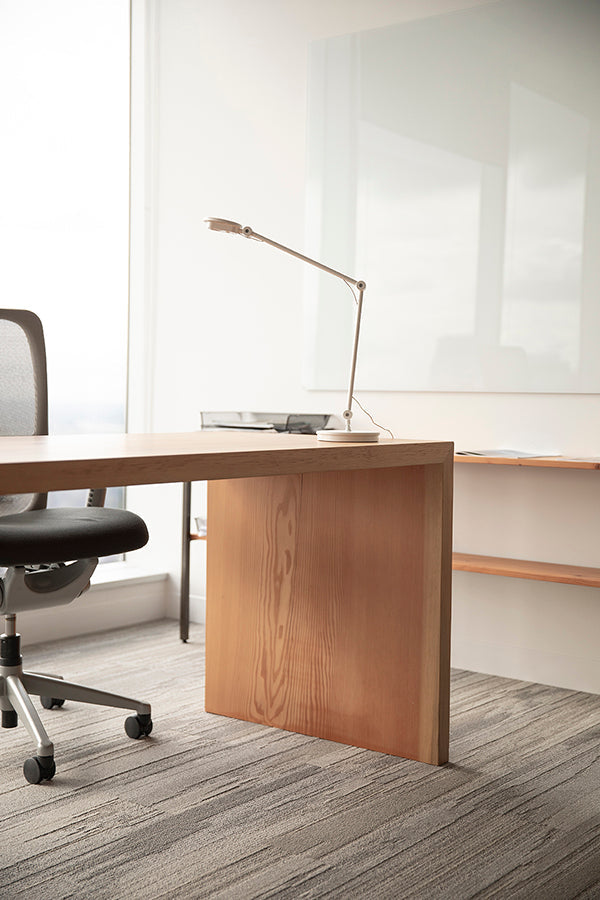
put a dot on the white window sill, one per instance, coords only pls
(117, 574)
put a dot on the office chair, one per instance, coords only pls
(49, 554)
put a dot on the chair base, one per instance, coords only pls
(15, 702)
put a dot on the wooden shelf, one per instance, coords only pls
(197, 537)
(524, 568)
(554, 462)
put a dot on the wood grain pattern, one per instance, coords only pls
(328, 605)
(586, 576)
(63, 462)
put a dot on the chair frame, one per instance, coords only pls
(26, 587)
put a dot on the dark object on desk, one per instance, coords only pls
(504, 454)
(293, 423)
(35, 545)
(299, 424)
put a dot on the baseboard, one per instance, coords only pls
(116, 603)
(575, 673)
(197, 607)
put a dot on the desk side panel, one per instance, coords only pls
(327, 610)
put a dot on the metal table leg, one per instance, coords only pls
(184, 601)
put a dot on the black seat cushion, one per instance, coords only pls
(61, 535)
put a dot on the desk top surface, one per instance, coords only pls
(63, 462)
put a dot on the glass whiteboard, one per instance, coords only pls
(454, 165)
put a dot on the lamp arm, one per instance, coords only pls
(358, 284)
(249, 233)
(347, 414)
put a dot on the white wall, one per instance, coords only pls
(226, 136)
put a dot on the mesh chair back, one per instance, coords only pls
(23, 390)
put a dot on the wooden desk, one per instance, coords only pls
(329, 572)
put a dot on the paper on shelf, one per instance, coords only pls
(506, 454)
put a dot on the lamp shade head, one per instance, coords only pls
(225, 225)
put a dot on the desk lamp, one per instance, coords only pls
(333, 434)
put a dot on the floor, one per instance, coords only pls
(209, 807)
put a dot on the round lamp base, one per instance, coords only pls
(356, 437)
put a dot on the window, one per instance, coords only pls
(64, 215)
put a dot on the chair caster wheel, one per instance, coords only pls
(138, 726)
(49, 702)
(39, 768)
